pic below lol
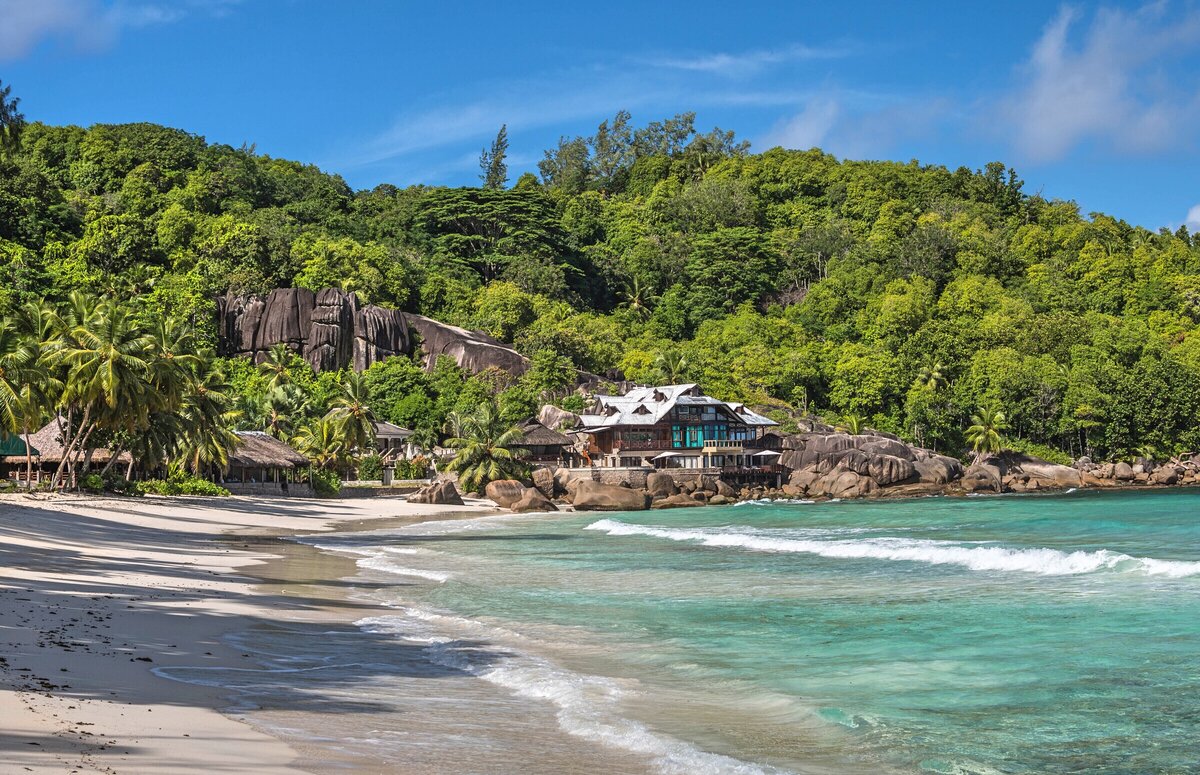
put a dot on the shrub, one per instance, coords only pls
(1049, 454)
(325, 483)
(370, 468)
(416, 468)
(177, 484)
(93, 483)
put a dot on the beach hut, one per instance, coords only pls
(48, 453)
(546, 447)
(261, 464)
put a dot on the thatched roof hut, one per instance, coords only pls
(534, 434)
(262, 450)
(48, 448)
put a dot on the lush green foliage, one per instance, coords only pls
(325, 483)
(180, 483)
(902, 294)
(485, 449)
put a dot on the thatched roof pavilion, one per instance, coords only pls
(48, 448)
(256, 449)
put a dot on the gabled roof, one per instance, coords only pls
(649, 405)
(262, 450)
(749, 416)
(386, 430)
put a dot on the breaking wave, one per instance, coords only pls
(1047, 562)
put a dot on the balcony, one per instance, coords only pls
(724, 444)
(644, 444)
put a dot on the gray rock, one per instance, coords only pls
(505, 492)
(532, 500)
(444, 493)
(661, 485)
(594, 496)
(679, 501)
(982, 478)
(1123, 472)
(543, 480)
(891, 447)
(888, 469)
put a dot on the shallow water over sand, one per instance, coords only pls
(980, 635)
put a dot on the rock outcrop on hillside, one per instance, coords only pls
(331, 331)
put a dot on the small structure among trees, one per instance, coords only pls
(262, 464)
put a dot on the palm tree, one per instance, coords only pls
(853, 423)
(487, 449)
(671, 366)
(279, 409)
(322, 442)
(106, 356)
(984, 433)
(275, 366)
(206, 419)
(353, 414)
(637, 299)
(17, 353)
(455, 424)
(932, 376)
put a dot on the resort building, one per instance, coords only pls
(261, 464)
(393, 441)
(677, 426)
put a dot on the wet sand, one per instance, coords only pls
(102, 598)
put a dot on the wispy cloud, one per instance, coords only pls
(859, 124)
(747, 62)
(1105, 84)
(1192, 221)
(87, 25)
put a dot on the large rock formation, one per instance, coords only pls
(587, 495)
(331, 331)
(474, 351)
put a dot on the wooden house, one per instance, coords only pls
(676, 426)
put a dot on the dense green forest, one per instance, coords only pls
(903, 296)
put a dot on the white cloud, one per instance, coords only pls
(1192, 221)
(860, 125)
(87, 24)
(747, 62)
(807, 129)
(1107, 86)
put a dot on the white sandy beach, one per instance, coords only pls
(95, 593)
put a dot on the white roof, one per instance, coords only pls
(649, 405)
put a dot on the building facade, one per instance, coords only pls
(677, 426)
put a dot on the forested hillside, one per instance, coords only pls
(902, 296)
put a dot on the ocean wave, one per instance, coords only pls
(1043, 561)
(383, 563)
(587, 705)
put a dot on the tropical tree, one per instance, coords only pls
(12, 121)
(487, 449)
(852, 423)
(637, 299)
(671, 365)
(353, 414)
(107, 358)
(984, 433)
(280, 408)
(322, 441)
(275, 366)
(932, 376)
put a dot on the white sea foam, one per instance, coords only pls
(385, 564)
(1048, 562)
(587, 705)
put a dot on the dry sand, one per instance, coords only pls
(95, 593)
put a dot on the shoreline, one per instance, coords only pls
(99, 592)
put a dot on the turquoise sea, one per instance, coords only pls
(1012, 634)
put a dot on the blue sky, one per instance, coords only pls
(1096, 103)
